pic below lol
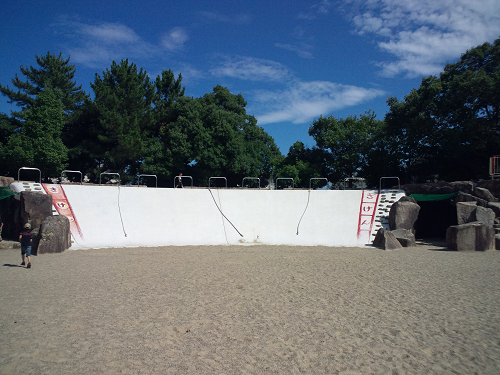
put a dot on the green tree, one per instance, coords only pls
(346, 143)
(53, 72)
(38, 143)
(179, 138)
(8, 126)
(233, 145)
(450, 126)
(123, 99)
(168, 91)
(168, 148)
(302, 164)
(211, 136)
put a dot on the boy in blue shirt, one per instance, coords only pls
(25, 238)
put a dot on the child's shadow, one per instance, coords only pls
(11, 265)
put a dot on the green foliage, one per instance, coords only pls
(301, 164)
(54, 72)
(168, 148)
(7, 126)
(346, 143)
(123, 99)
(450, 126)
(211, 136)
(232, 145)
(177, 142)
(38, 143)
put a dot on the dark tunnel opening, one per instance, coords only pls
(434, 218)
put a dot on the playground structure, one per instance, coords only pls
(132, 216)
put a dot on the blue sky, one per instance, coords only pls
(292, 60)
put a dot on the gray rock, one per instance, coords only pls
(403, 215)
(466, 212)
(492, 185)
(386, 240)
(438, 187)
(463, 197)
(483, 193)
(407, 199)
(405, 237)
(35, 207)
(495, 206)
(473, 236)
(485, 215)
(6, 181)
(485, 238)
(55, 236)
(35, 234)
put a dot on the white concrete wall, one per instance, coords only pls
(112, 216)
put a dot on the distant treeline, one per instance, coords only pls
(445, 130)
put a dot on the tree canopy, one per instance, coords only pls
(123, 99)
(449, 127)
(38, 144)
(54, 72)
(446, 129)
(346, 143)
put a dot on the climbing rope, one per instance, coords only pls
(120, 211)
(307, 205)
(229, 221)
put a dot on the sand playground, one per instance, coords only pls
(251, 310)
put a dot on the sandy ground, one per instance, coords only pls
(251, 310)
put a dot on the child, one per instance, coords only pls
(179, 181)
(25, 238)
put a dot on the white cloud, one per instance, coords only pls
(252, 69)
(320, 8)
(301, 102)
(303, 49)
(109, 33)
(93, 44)
(426, 34)
(174, 39)
(236, 19)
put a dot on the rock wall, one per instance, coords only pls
(6, 181)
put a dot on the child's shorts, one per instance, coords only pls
(26, 250)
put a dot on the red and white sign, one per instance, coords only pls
(367, 209)
(61, 203)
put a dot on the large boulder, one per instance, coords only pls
(485, 215)
(483, 193)
(405, 198)
(473, 236)
(55, 235)
(464, 197)
(35, 207)
(466, 212)
(493, 187)
(403, 215)
(495, 206)
(405, 237)
(6, 181)
(386, 240)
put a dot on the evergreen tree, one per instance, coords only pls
(123, 101)
(54, 72)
